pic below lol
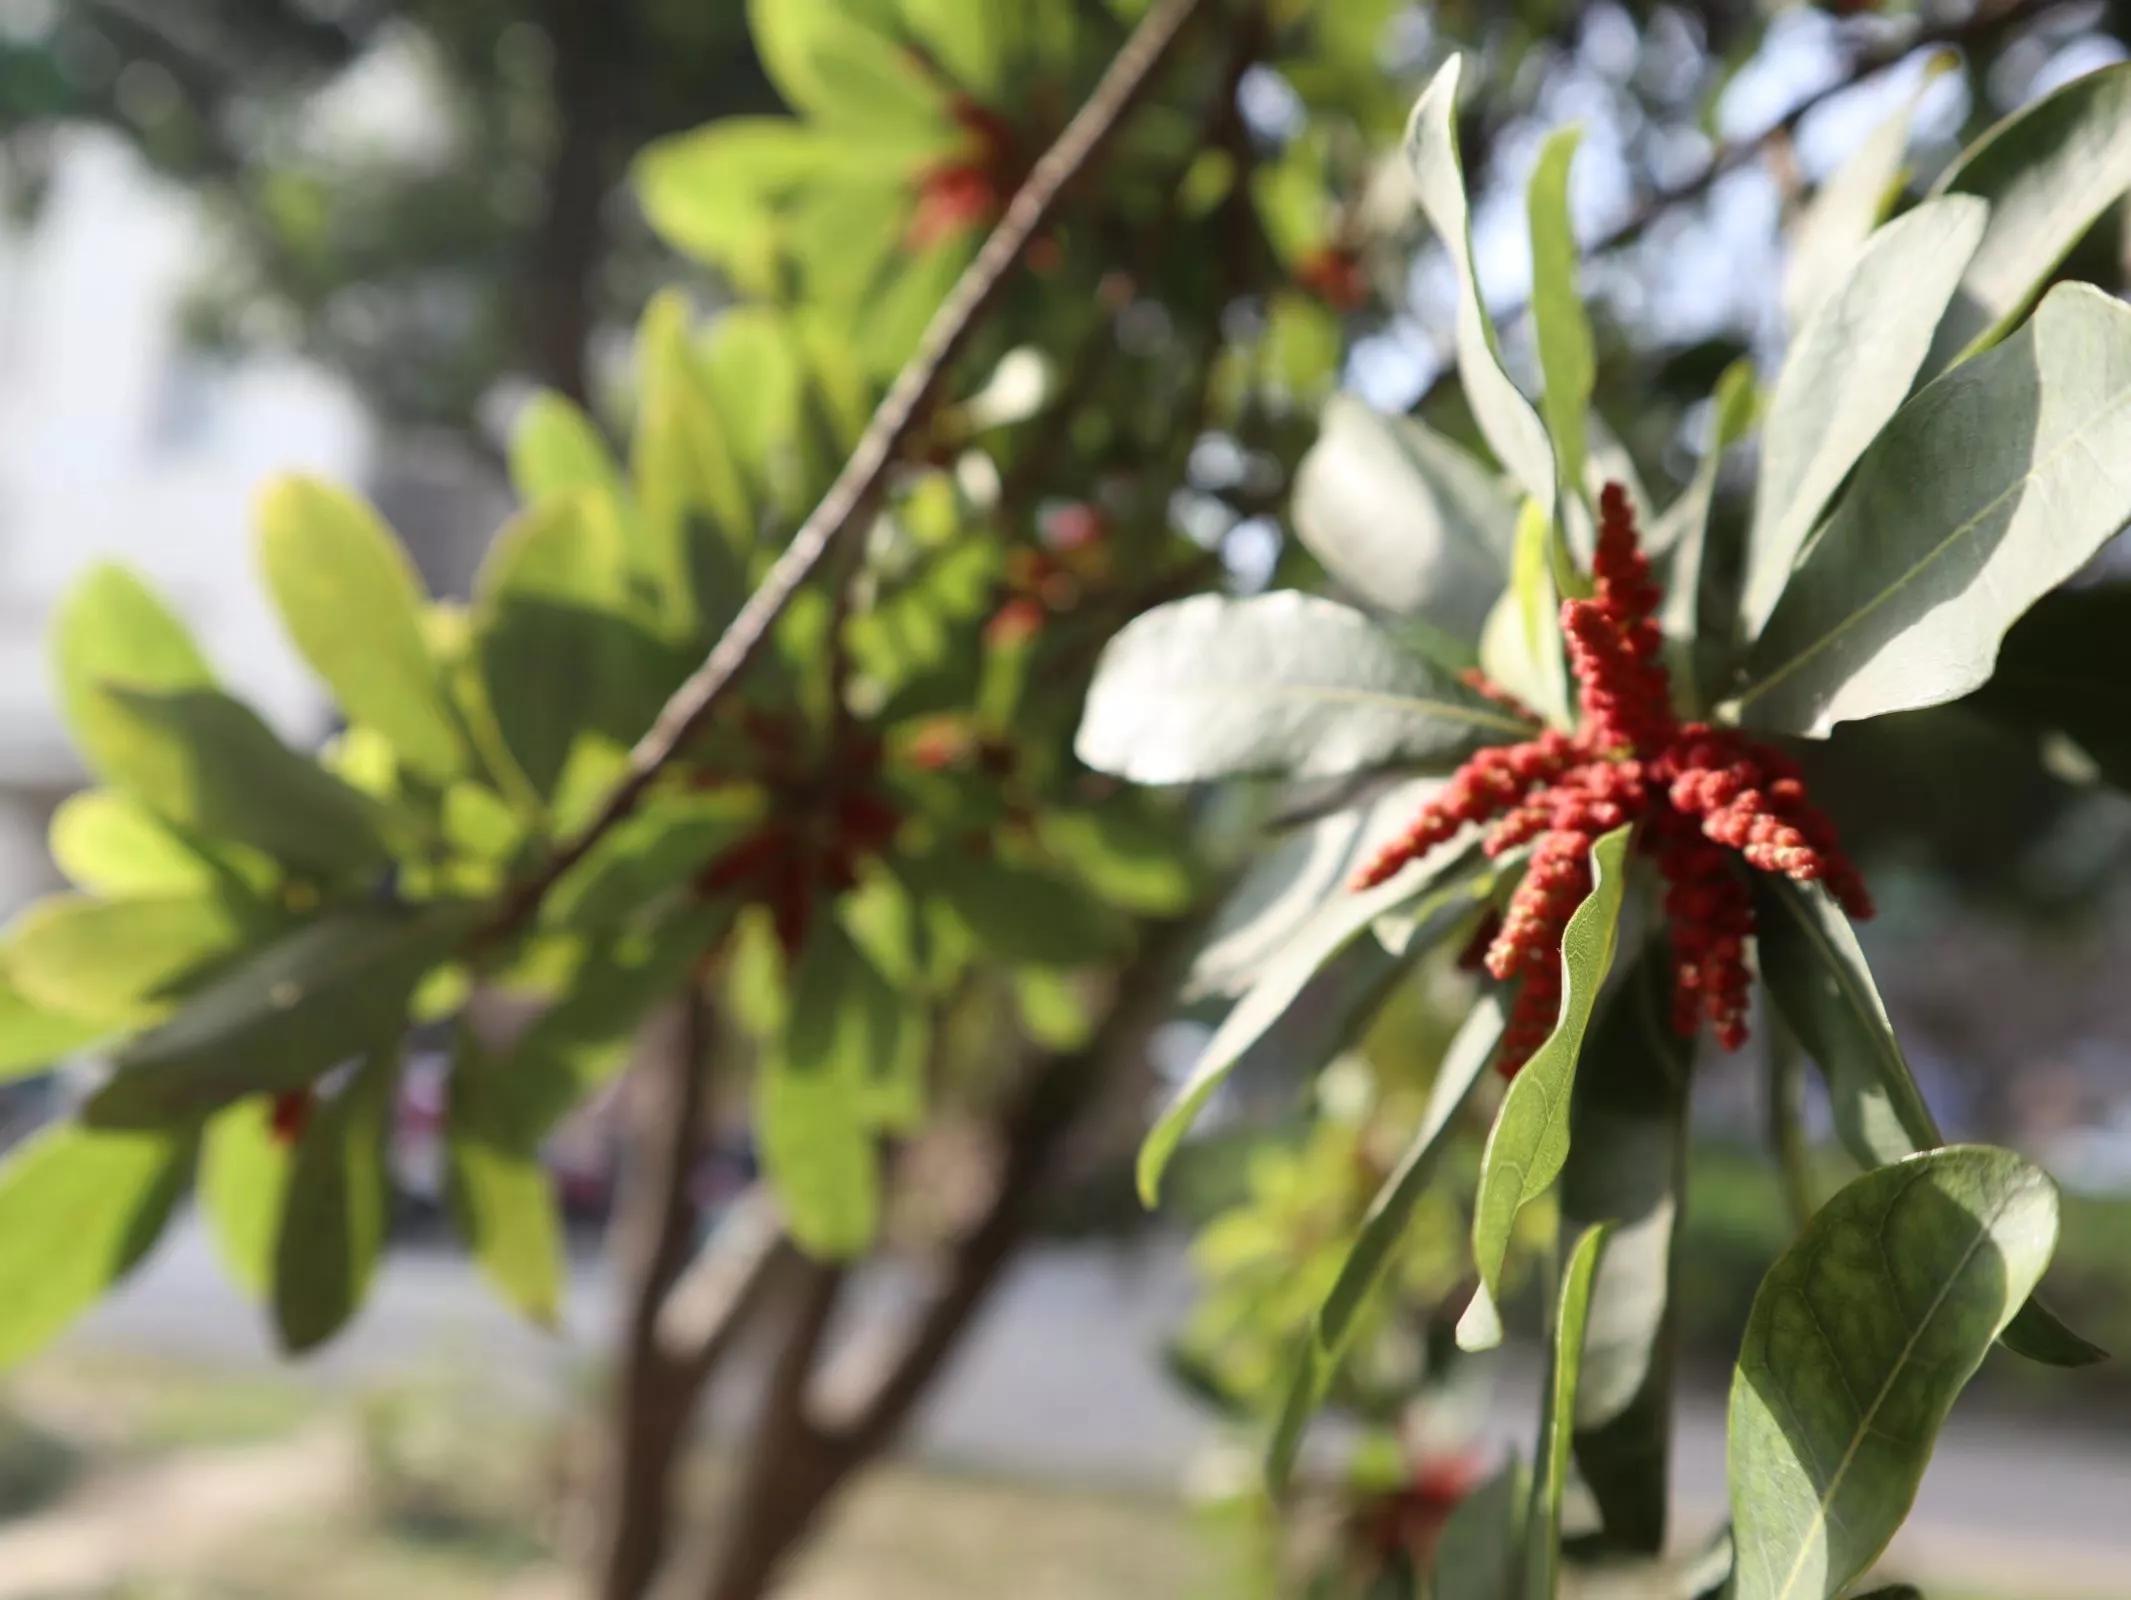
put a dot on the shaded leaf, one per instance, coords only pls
(1861, 1336)
(1015, 913)
(1529, 1142)
(1282, 683)
(1563, 332)
(1847, 371)
(115, 1191)
(1477, 1558)
(334, 1208)
(502, 1199)
(1697, 634)
(2064, 668)
(655, 851)
(353, 605)
(1564, 1378)
(1987, 490)
(828, 61)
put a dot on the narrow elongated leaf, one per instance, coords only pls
(335, 1208)
(1818, 978)
(243, 1180)
(1566, 359)
(116, 961)
(1564, 1379)
(1627, 1167)
(78, 1211)
(1861, 1337)
(282, 1015)
(1847, 371)
(1281, 683)
(209, 764)
(1512, 428)
(351, 601)
(1697, 632)
(1442, 887)
(1987, 490)
(1464, 1063)
(1842, 213)
(1406, 520)
(1529, 1142)
(2049, 171)
(1520, 646)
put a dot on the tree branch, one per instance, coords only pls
(859, 484)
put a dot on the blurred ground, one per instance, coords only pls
(438, 1450)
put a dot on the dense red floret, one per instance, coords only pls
(1710, 800)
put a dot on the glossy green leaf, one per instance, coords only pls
(116, 847)
(116, 961)
(243, 1180)
(1512, 428)
(1464, 1063)
(556, 448)
(1848, 370)
(1212, 687)
(34, 1037)
(335, 1208)
(1818, 978)
(1572, 1319)
(1861, 1337)
(1627, 1167)
(1441, 889)
(2049, 171)
(1987, 490)
(1520, 645)
(654, 852)
(208, 763)
(78, 1211)
(1566, 358)
(350, 600)
(1834, 224)
(1529, 1142)
(112, 630)
(1407, 521)
(282, 1015)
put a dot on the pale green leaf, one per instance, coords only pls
(556, 448)
(34, 1037)
(117, 961)
(112, 630)
(116, 847)
(244, 1175)
(1520, 645)
(1567, 361)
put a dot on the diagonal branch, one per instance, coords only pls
(859, 484)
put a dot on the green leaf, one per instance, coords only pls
(1564, 1379)
(652, 853)
(1833, 225)
(1441, 889)
(696, 517)
(1627, 1167)
(1281, 683)
(207, 763)
(78, 1211)
(1987, 490)
(1529, 1142)
(1848, 370)
(1862, 1335)
(335, 1208)
(282, 1015)
(33, 1037)
(116, 961)
(829, 62)
(1817, 976)
(1563, 332)
(974, 41)
(1512, 428)
(1407, 521)
(353, 605)
(1464, 1063)
(1017, 914)
(1477, 1558)
(1520, 645)
(243, 1179)
(1131, 855)
(113, 630)
(2049, 171)
(1697, 637)
(115, 847)
(820, 1152)
(501, 1196)
(556, 448)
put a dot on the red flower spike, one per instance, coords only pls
(1711, 800)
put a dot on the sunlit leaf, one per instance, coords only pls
(1566, 358)
(117, 961)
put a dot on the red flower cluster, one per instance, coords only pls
(1705, 795)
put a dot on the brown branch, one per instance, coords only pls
(856, 488)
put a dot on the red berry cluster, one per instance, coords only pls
(825, 817)
(1709, 798)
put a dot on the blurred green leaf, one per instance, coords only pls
(654, 851)
(243, 1180)
(827, 61)
(115, 847)
(335, 1208)
(819, 1150)
(1572, 1320)
(112, 630)
(556, 448)
(116, 961)
(1848, 370)
(1990, 488)
(279, 1017)
(1529, 1142)
(1134, 857)
(78, 1211)
(1477, 1558)
(1016, 914)
(1212, 687)
(1920, 1266)
(353, 605)
(34, 1037)
(502, 1198)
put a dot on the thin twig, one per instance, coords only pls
(859, 484)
